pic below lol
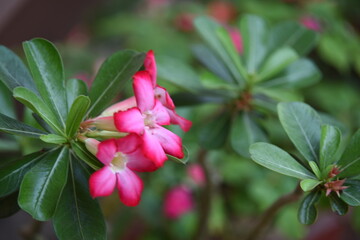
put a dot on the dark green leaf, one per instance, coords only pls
(6, 102)
(12, 174)
(307, 212)
(329, 145)
(351, 195)
(53, 138)
(42, 123)
(37, 105)
(350, 160)
(41, 187)
(303, 126)
(338, 206)
(75, 88)
(77, 114)
(276, 159)
(294, 35)
(112, 77)
(13, 126)
(214, 133)
(244, 132)
(9, 205)
(253, 32)
(13, 72)
(83, 154)
(205, 96)
(47, 70)
(309, 184)
(78, 208)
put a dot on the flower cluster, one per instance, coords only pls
(143, 144)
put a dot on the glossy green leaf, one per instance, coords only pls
(183, 160)
(13, 72)
(75, 88)
(307, 212)
(212, 62)
(244, 132)
(6, 102)
(53, 138)
(292, 34)
(41, 187)
(253, 32)
(276, 159)
(9, 205)
(114, 73)
(13, 126)
(303, 126)
(277, 62)
(77, 207)
(12, 174)
(309, 184)
(178, 73)
(329, 145)
(82, 153)
(214, 133)
(350, 160)
(42, 123)
(48, 72)
(351, 195)
(338, 206)
(314, 167)
(76, 115)
(37, 105)
(299, 74)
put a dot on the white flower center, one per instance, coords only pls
(149, 119)
(118, 162)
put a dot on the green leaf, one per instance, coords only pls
(351, 195)
(277, 62)
(276, 159)
(114, 73)
(303, 126)
(299, 74)
(292, 34)
(6, 102)
(338, 206)
(309, 184)
(183, 160)
(178, 73)
(244, 132)
(37, 105)
(76, 114)
(12, 173)
(253, 32)
(83, 154)
(75, 88)
(314, 167)
(13, 126)
(329, 145)
(77, 207)
(307, 212)
(41, 187)
(350, 160)
(214, 133)
(13, 72)
(53, 138)
(47, 70)
(42, 123)
(9, 205)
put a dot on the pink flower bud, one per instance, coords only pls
(236, 39)
(196, 173)
(311, 23)
(178, 201)
(92, 145)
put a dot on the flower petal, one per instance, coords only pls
(128, 144)
(170, 142)
(161, 114)
(130, 121)
(103, 123)
(150, 66)
(106, 151)
(130, 187)
(138, 162)
(184, 124)
(153, 149)
(102, 182)
(120, 106)
(163, 96)
(144, 91)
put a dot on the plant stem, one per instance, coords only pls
(269, 214)
(205, 200)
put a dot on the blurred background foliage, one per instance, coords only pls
(232, 191)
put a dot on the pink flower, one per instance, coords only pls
(311, 23)
(121, 158)
(147, 119)
(196, 173)
(178, 201)
(335, 186)
(236, 39)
